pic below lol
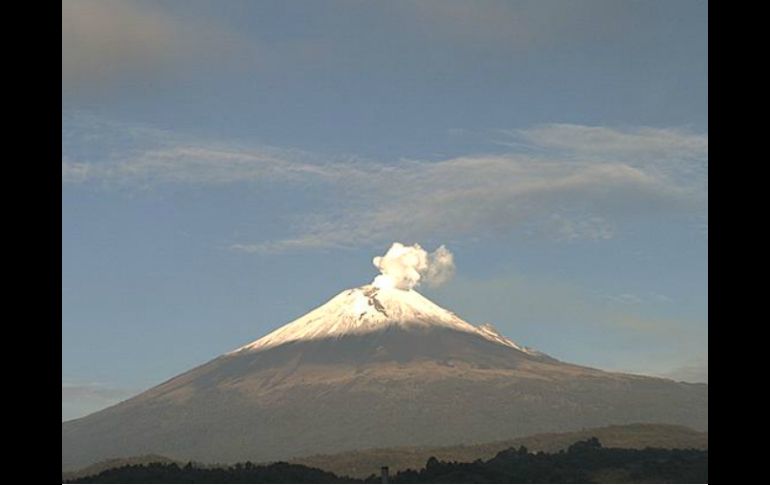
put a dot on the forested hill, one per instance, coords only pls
(583, 462)
(360, 464)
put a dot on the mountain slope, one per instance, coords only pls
(371, 368)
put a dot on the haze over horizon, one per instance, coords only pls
(228, 167)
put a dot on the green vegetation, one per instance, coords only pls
(280, 472)
(583, 462)
(99, 467)
(633, 436)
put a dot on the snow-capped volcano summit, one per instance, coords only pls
(372, 308)
(376, 366)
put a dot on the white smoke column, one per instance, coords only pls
(404, 267)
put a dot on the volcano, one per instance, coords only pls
(373, 367)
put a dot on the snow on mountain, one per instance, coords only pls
(374, 367)
(488, 331)
(369, 309)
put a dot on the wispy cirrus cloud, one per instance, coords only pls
(194, 164)
(568, 182)
(637, 144)
(113, 154)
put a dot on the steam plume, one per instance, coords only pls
(405, 267)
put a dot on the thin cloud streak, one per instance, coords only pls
(569, 183)
(640, 143)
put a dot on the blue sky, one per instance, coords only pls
(227, 166)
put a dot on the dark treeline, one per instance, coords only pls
(583, 462)
(240, 473)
